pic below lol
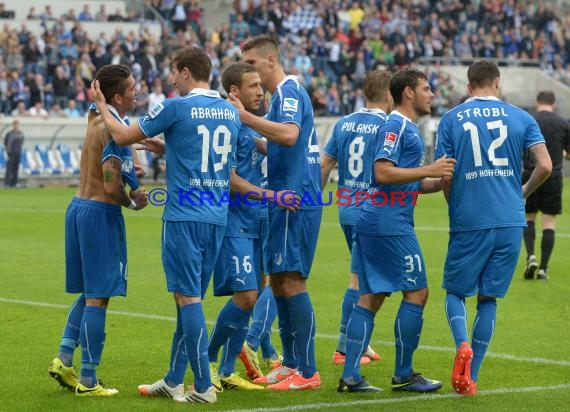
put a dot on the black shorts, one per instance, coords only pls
(548, 197)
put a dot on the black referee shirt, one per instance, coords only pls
(556, 132)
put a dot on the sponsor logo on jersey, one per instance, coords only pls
(155, 110)
(390, 139)
(290, 105)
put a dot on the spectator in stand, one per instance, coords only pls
(56, 111)
(71, 109)
(20, 109)
(101, 15)
(156, 95)
(4, 93)
(38, 110)
(85, 15)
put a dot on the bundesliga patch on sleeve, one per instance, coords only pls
(290, 105)
(155, 110)
(390, 139)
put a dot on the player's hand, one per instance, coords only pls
(139, 171)
(287, 199)
(140, 197)
(235, 101)
(152, 144)
(442, 167)
(98, 96)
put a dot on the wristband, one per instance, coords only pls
(133, 205)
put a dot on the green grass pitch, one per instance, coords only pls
(528, 367)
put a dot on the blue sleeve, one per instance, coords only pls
(331, 148)
(390, 141)
(533, 134)
(290, 108)
(111, 149)
(443, 140)
(158, 119)
(128, 171)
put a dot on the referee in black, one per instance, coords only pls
(548, 197)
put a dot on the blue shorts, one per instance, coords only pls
(482, 261)
(189, 252)
(390, 264)
(293, 240)
(348, 231)
(238, 265)
(95, 249)
(265, 254)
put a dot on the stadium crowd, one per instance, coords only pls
(330, 45)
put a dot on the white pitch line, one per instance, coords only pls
(443, 229)
(503, 356)
(406, 399)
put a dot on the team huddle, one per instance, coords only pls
(260, 253)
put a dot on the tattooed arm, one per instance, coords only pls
(113, 182)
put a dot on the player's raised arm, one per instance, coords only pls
(121, 134)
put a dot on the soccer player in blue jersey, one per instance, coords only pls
(293, 163)
(352, 147)
(487, 137)
(95, 244)
(386, 243)
(200, 133)
(238, 267)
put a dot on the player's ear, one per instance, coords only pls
(234, 90)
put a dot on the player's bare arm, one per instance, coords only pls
(542, 168)
(285, 199)
(154, 144)
(327, 165)
(115, 189)
(431, 185)
(387, 172)
(122, 134)
(261, 146)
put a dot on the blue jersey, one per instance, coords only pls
(123, 153)
(487, 137)
(297, 167)
(352, 145)
(200, 133)
(390, 210)
(244, 214)
(263, 212)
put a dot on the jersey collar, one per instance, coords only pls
(492, 98)
(401, 115)
(204, 92)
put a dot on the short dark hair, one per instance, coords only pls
(264, 44)
(195, 60)
(113, 80)
(376, 84)
(401, 80)
(482, 73)
(546, 97)
(233, 74)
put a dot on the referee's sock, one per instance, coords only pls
(547, 244)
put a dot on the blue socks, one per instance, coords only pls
(349, 301)
(302, 318)
(407, 331)
(358, 332)
(196, 339)
(230, 319)
(70, 338)
(92, 338)
(264, 313)
(483, 329)
(178, 357)
(457, 318)
(287, 341)
(231, 350)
